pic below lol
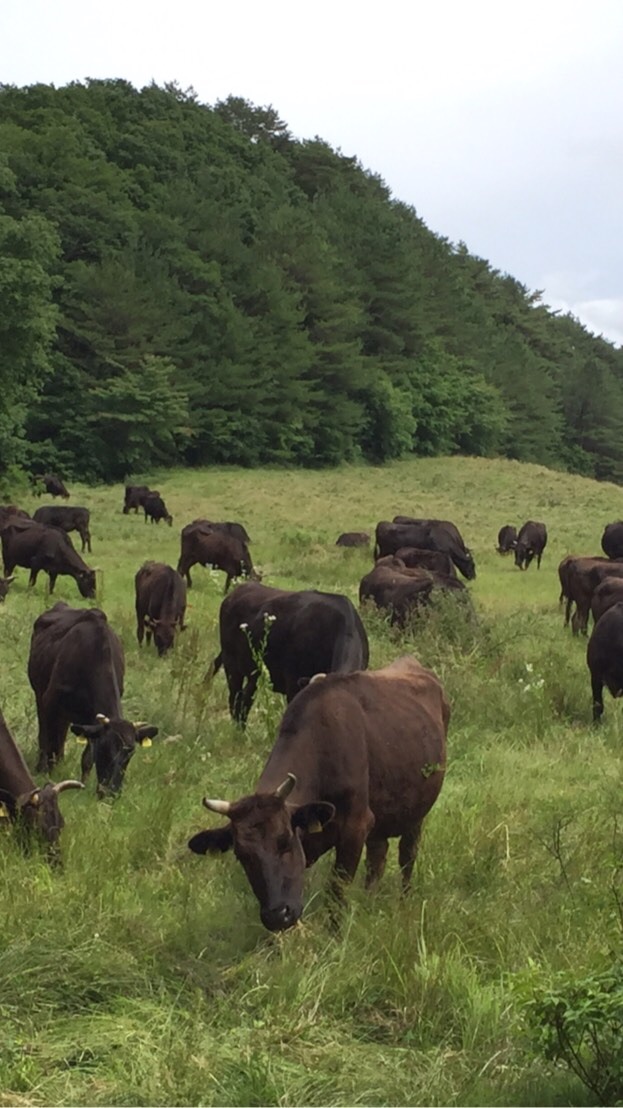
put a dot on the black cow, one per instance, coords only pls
(401, 590)
(426, 534)
(76, 669)
(21, 800)
(359, 759)
(612, 540)
(68, 519)
(531, 542)
(37, 547)
(604, 657)
(507, 539)
(300, 634)
(353, 538)
(215, 548)
(160, 604)
(52, 484)
(135, 497)
(155, 509)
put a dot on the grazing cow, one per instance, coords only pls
(434, 560)
(5, 584)
(531, 542)
(160, 604)
(608, 593)
(68, 519)
(9, 512)
(214, 548)
(359, 759)
(155, 509)
(300, 634)
(135, 497)
(401, 590)
(426, 534)
(353, 538)
(612, 540)
(507, 539)
(22, 800)
(76, 669)
(52, 484)
(582, 576)
(604, 657)
(37, 547)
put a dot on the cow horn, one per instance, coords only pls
(140, 723)
(101, 718)
(62, 785)
(221, 806)
(317, 677)
(285, 788)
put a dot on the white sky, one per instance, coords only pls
(500, 122)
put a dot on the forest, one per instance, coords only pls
(190, 284)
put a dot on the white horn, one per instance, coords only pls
(221, 806)
(317, 677)
(102, 718)
(285, 788)
(62, 785)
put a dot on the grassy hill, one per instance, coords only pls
(140, 974)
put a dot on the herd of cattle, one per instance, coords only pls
(360, 755)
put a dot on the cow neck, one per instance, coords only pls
(14, 773)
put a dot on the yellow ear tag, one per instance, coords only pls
(314, 826)
(3, 810)
(35, 799)
(145, 742)
(80, 741)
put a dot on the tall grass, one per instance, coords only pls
(140, 974)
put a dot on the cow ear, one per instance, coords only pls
(312, 817)
(144, 735)
(215, 841)
(86, 730)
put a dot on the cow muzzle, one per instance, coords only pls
(279, 919)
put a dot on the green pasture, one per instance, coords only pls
(140, 973)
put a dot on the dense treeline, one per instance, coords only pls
(186, 283)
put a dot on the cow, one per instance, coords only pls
(401, 590)
(22, 801)
(434, 560)
(9, 512)
(160, 604)
(217, 549)
(52, 484)
(604, 657)
(299, 633)
(359, 758)
(608, 593)
(426, 534)
(612, 540)
(37, 547)
(155, 509)
(582, 576)
(76, 670)
(507, 539)
(135, 497)
(353, 538)
(5, 584)
(531, 542)
(68, 519)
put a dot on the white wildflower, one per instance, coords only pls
(529, 667)
(243, 626)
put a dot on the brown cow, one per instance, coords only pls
(22, 800)
(216, 549)
(531, 542)
(155, 509)
(135, 496)
(391, 585)
(160, 604)
(359, 759)
(48, 549)
(425, 534)
(582, 576)
(604, 657)
(76, 669)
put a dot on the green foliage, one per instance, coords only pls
(307, 317)
(578, 1020)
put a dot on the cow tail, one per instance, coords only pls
(213, 669)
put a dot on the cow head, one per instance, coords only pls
(465, 563)
(169, 520)
(38, 809)
(110, 744)
(85, 579)
(265, 834)
(164, 631)
(5, 583)
(523, 555)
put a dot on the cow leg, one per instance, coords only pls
(349, 847)
(52, 577)
(228, 581)
(598, 698)
(568, 608)
(88, 538)
(376, 857)
(86, 764)
(32, 580)
(407, 853)
(538, 559)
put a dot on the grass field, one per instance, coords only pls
(140, 973)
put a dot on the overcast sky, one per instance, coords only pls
(500, 122)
